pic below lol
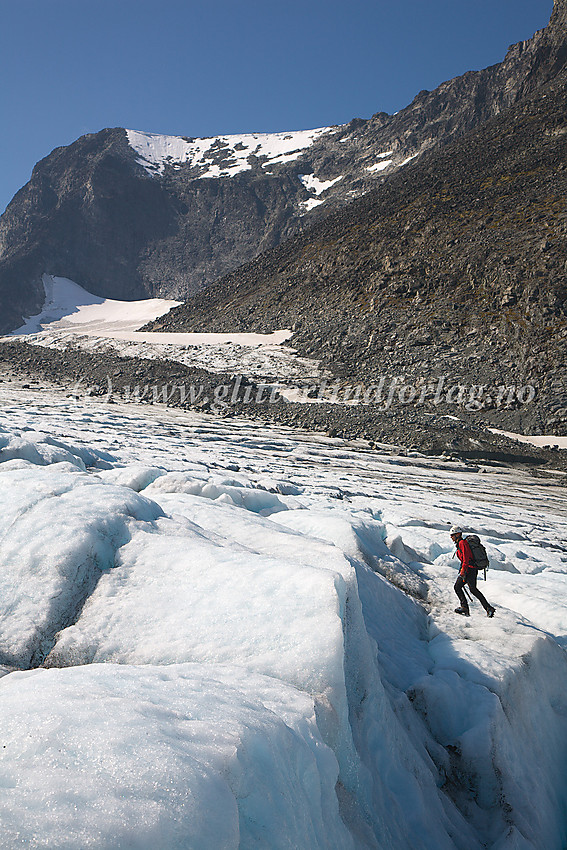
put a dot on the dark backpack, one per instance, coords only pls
(480, 558)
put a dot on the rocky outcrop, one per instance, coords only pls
(93, 212)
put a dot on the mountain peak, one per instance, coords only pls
(559, 11)
(555, 30)
(129, 215)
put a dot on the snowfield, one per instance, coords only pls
(222, 635)
(73, 317)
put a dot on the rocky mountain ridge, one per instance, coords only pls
(456, 266)
(95, 213)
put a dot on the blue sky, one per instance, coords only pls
(70, 67)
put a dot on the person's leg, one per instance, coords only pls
(471, 582)
(459, 584)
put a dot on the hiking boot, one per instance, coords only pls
(490, 611)
(464, 611)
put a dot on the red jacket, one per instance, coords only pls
(465, 556)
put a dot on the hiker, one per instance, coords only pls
(467, 575)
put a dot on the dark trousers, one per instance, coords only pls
(470, 581)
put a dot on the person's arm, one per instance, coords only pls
(465, 556)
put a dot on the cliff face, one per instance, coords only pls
(101, 214)
(84, 213)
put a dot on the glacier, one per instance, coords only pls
(223, 634)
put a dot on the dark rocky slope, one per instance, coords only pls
(456, 266)
(93, 213)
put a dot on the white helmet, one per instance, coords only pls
(456, 530)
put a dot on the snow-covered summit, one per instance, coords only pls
(221, 156)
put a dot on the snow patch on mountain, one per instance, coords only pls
(409, 159)
(310, 204)
(73, 316)
(68, 305)
(380, 166)
(220, 156)
(534, 439)
(313, 184)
